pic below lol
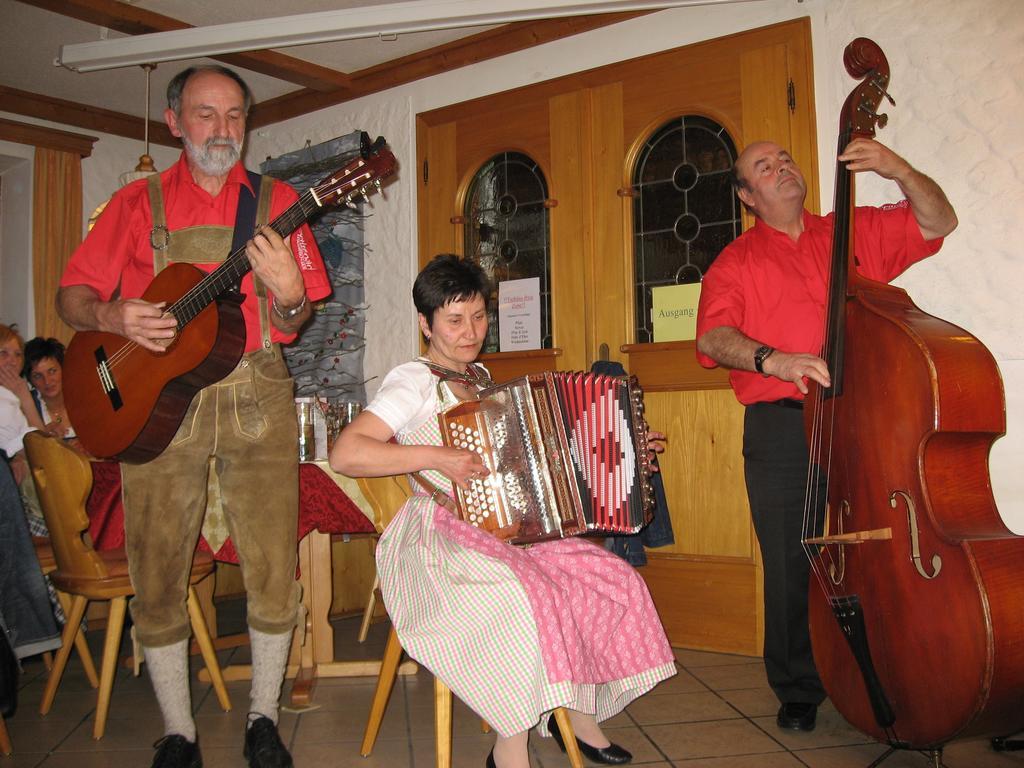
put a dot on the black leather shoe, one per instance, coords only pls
(613, 754)
(797, 716)
(490, 760)
(263, 747)
(175, 751)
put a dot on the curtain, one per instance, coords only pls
(56, 232)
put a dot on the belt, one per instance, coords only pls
(789, 402)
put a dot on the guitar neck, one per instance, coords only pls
(230, 273)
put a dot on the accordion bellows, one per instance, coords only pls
(567, 454)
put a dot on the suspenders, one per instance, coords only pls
(211, 244)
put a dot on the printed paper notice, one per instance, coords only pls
(674, 312)
(519, 314)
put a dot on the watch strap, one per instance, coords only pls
(761, 354)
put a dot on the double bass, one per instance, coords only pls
(916, 602)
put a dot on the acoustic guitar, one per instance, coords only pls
(127, 402)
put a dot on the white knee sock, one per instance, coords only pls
(168, 671)
(269, 660)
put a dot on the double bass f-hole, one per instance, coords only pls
(915, 538)
(837, 564)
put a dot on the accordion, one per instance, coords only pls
(567, 454)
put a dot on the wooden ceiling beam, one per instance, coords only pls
(83, 116)
(133, 20)
(490, 44)
(459, 53)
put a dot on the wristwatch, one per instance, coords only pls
(761, 354)
(291, 312)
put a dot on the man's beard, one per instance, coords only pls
(216, 156)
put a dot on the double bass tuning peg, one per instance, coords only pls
(879, 85)
(880, 119)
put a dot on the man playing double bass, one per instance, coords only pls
(245, 422)
(762, 315)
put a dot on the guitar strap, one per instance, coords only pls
(245, 216)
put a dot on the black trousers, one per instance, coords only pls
(775, 466)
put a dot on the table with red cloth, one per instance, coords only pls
(323, 506)
(324, 509)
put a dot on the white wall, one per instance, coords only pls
(16, 298)
(957, 75)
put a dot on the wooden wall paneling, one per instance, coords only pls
(703, 472)
(765, 74)
(437, 191)
(688, 83)
(505, 366)
(707, 605)
(612, 265)
(672, 365)
(354, 572)
(803, 131)
(767, 116)
(521, 126)
(570, 186)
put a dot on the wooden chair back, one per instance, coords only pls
(63, 481)
(386, 495)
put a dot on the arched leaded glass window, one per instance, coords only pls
(684, 211)
(507, 230)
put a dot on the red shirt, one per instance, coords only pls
(773, 289)
(117, 251)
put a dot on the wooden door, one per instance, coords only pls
(585, 131)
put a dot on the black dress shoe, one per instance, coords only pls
(263, 746)
(175, 751)
(613, 754)
(797, 716)
(490, 760)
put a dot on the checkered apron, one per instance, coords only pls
(516, 631)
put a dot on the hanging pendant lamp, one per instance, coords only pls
(145, 166)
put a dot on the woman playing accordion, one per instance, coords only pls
(514, 632)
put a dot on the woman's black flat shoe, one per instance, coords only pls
(613, 754)
(490, 760)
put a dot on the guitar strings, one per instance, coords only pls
(236, 259)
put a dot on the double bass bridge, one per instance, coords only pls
(837, 568)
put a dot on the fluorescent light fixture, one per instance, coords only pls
(332, 26)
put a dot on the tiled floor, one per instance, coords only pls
(718, 712)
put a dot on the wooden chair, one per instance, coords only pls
(387, 494)
(63, 480)
(48, 564)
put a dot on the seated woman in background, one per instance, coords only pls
(18, 413)
(25, 610)
(514, 632)
(44, 361)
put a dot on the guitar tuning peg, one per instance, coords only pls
(882, 120)
(364, 195)
(348, 201)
